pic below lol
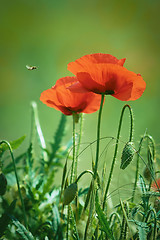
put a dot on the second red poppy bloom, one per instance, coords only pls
(61, 98)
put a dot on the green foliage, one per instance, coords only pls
(58, 138)
(14, 145)
(102, 219)
(5, 218)
(88, 214)
(143, 229)
(3, 184)
(21, 230)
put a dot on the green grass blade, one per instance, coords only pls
(39, 132)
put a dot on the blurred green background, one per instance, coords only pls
(50, 34)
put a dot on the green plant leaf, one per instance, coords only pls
(142, 185)
(36, 126)
(10, 167)
(58, 137)
(5, 219)
(22, 231)
(142, 233)
(102, 219)
(142, 229)
(56, 219)
(14, 144)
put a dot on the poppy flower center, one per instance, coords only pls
(109, 92)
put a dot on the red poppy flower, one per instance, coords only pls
(104, 73)
(63, 99)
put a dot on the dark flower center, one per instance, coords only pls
(109, 92)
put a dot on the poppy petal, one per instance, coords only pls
(104, 78)
(88, 82)
(63, 99)
(83, 63)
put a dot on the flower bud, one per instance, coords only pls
(3, 184)
(70, 193)
(147, 173)
(127, 155)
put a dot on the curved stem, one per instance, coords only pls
(137, 164)
(115, 215)
(98, 135)
(86, 171)
(116, 147)
(18, 185)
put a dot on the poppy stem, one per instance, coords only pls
(98, 135)
(79, 143)
(18, 185)
(116, 146)
(84, 172)
(74, 150)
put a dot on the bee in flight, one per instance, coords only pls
(31, 67)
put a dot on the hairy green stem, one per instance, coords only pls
(79, 143)
(115, 215)
(72, 171)
(73, 151)
(84, 172)
(116, 147)
(68, 223)
(98, 135)
(18, 185)
(137, 163)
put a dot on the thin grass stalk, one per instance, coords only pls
(17, 180)
(68, 224)
(90, 211)
(103, 180)
(73, 222)
(124, 222)
(122, 228)
(63, 179)
(126, 225)
(87, 198)
(116, 146)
